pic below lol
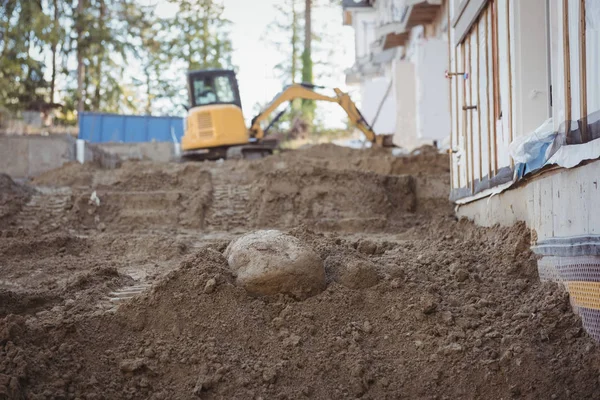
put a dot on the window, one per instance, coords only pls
(224, 90)
(203, 92)
(213, 89)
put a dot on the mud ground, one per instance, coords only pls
(104, 288)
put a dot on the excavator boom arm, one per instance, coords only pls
(298, 91)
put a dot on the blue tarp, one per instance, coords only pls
(103, 128)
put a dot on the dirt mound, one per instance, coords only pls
(12, 196)
(131, 176)
(70, 174)
(87, 287)
(333, 187)
(417, 304)
(43, 246)
(40, 272)
(351, 271)
(429, 168)
(424, 160)
(331, 200)
(445, 323)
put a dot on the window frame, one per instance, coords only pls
(212, 75)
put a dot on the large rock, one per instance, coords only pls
(269, 262)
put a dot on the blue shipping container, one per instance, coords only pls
(103, 128)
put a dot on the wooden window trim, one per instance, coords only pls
(496, 77)
(487, 90)
(451, 157)
(467, 17)
(567, 67)
(463, 48)
(472, 147)
(478, 56)
(583, 72)
(510, 79)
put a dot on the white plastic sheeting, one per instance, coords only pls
(485, 107)
(574, 59)
(525, 149)
(378, 101)
(573, 155)
(432, 90)
(531, 81)
(557, 64)
(592, 32)
(503, 136)
(472, 83)
(406, 107)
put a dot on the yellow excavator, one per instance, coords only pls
(215, 126)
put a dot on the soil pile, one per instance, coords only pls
(416, 304)
(424, 160)
(47, 271)
(457, 315)
(12, 196)
(329, 199)
(332, 187)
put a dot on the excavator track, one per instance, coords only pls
(249, 152)
(252, 151)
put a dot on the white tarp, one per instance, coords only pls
(378, 102)
(573, 155)
(432, 90)
(524, 149)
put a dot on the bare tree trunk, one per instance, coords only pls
(99, 60)
(53, 49)
(97, 96)
(206, 34)
(294, 71)
(148, 91)
(80, 65)
(308, 36)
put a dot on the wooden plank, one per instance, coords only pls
(464, 113)
(451, 155)
(496, 77)
(510, 89)
(464, 23)
(567, 67)
(583, 72)
(478, 55)
(395, 40)
(471, 142)
(456, 85)
(487, 90)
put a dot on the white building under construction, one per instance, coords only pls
(513, 88)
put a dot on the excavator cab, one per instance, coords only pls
(215, 121)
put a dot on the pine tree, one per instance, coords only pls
(90, 47)
(200, 34)
(308, 56)
(23, 35)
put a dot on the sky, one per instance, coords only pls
(256, 59)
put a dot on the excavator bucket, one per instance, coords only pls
(385, 141)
